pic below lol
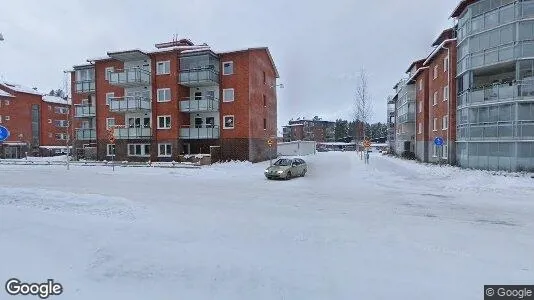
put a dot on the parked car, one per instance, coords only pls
(287, 168)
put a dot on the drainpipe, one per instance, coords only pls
(448, 102)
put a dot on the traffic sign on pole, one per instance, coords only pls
(4, 133)
(438, 141)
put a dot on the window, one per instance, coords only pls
(435, 72)
(50, 107)
(164, 95)
(108, 71)
(138, 149)
(435, 102)
(435, 128)
(228, 122)
(434, 150)
(228, 95)
(164, 150)
(6, 102)
(49, 121)
(446, 93)
(228, 68)
(61, 136)
(420, 130)
(420, 84)
(264, 124)
(210, 122)
(163, 67)
(164, 122)
(445, 151)
(446, 64)
(108, 97)
(0, 119)
(264, 101)
(7, 118)
(445, 122)
(264, 78)
(61, 110)
(420, 106)
(110, 122)
(111, 150)
(61, 123)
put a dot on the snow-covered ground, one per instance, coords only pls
(389, 230)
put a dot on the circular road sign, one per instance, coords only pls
(4, 133)
(438, 141)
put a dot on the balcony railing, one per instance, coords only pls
(406, 118)
(197, 105)
(130, 77)
(129, 104)
(132, 133)
(497, 92)
(84, 86)
(84, 111)
(85, 134)
(205, 132)
(199, 77)
(514, 130)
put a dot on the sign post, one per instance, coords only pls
(111, 137)
(438, 141)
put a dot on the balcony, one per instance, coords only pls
(84, 111)
(82, 87)
(85, 134)
(199, 77)
(129, 78)
(406, 118)
(131, 104)
(191, 133)
(497, 93)
(199, 104)
(132, 133)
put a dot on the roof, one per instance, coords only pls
(437, 50)
(444, 35)
(125, 55)
(5, 94)
(55, 99)
(84, 66)
(20, 88)
(415, 63)
(461, 7)
(293, 125)
(266, 49)
(411, 79)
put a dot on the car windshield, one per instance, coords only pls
(283, 162)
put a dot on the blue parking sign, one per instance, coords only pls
(438, 141)
(4, 133)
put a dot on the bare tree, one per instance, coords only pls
(363, 109)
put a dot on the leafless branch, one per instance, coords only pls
(363, 109)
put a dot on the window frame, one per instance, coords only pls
(224, 121)
(233, 95)
(435, 99)
(108, 96)
(158, 99)
(107, 122)
(436, 68)
(142, 150)
(446, 93)
(164, 63)
(167, 153)
(228, 62)
(445, 122)
(108, 71)
(445, 64)
(435, 124)
(168, 124)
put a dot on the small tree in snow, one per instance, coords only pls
(363, 108)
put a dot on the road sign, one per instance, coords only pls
(367, 144)
(4, 133)
(438, 141)
(270, 142)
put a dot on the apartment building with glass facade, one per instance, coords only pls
(495, 78)
(404, 103)
(176, 100)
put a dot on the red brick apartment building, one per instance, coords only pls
(38, 124)
(309, 130)
(176, 100)
(435, 80)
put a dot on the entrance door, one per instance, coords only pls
(187, 148)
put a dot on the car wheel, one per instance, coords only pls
(303, 173)
(288, 176)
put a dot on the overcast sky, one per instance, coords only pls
(318, 46)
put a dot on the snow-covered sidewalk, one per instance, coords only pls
(389, 230)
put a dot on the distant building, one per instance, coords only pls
(309, 130)
(38, 124)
